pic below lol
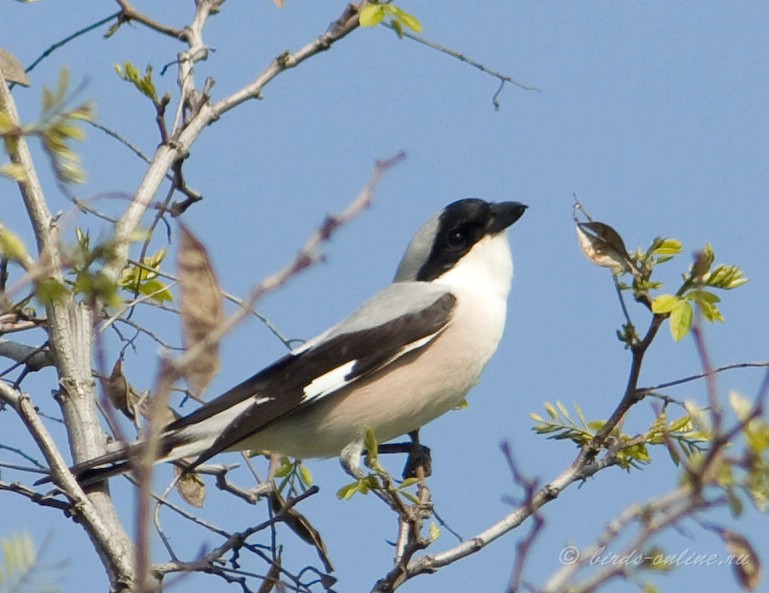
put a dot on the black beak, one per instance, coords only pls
(505, 214)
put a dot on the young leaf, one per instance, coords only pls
(681, 319)
(371, 15)
(706, 301)
(665, 303)
(404, 18)
(11, 246)
(666, 246)
(725, 277)
(305, 474)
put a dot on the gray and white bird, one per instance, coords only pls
(408, 355)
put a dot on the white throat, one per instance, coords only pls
(486, 268)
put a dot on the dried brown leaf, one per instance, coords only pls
(272, 577)
(746, 565)
(191, 487)
(12, 69)
(202, 309)
(120, 393)
(603, 246)
(299, 524)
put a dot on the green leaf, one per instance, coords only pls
(665, 303)
(348, 491)
(683, 424)
(372, 449)
(284, 468)
(156, 290)
(667, 247)
(725, 277)
(50, 290)
(371, 15)
(19, 559)
(650, 588)
(11, 245)
(681, 319)
(130, 73)
(698, 416)
(706, 301)
(404, 18)
(14, 171)
(305, 474)
(6, 123)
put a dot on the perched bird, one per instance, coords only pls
(407, 355)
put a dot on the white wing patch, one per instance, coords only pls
(417, 344)
(337, 378)
(328, 382)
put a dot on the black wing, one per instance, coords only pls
(302, 378)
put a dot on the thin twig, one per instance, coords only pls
(503, 78)
(36, 497)
(69, 38)
(287, 342)
(695, 377)
(309, 255)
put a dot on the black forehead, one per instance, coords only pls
(469, 211)
(473, 217)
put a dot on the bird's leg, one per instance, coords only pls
(418, 455)
(349, 458)
(418, 463)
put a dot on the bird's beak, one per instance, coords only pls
(505, 214)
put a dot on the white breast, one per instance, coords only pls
(420, 386)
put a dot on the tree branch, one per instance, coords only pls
(576, 472)
(204, 114)
(340, 28)
(129, 13)
(117, 557)
(33, 357)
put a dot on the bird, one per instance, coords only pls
(407, 355)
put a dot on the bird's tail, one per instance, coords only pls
(120, 461)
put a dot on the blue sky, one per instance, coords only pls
(654, 114)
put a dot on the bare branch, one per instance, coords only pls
(32, 357)
(344, 25)
(36, 497)
(578, 471)
(204, 114)
(129, 13)
(31, 190)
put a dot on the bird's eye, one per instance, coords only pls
(457, 237)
